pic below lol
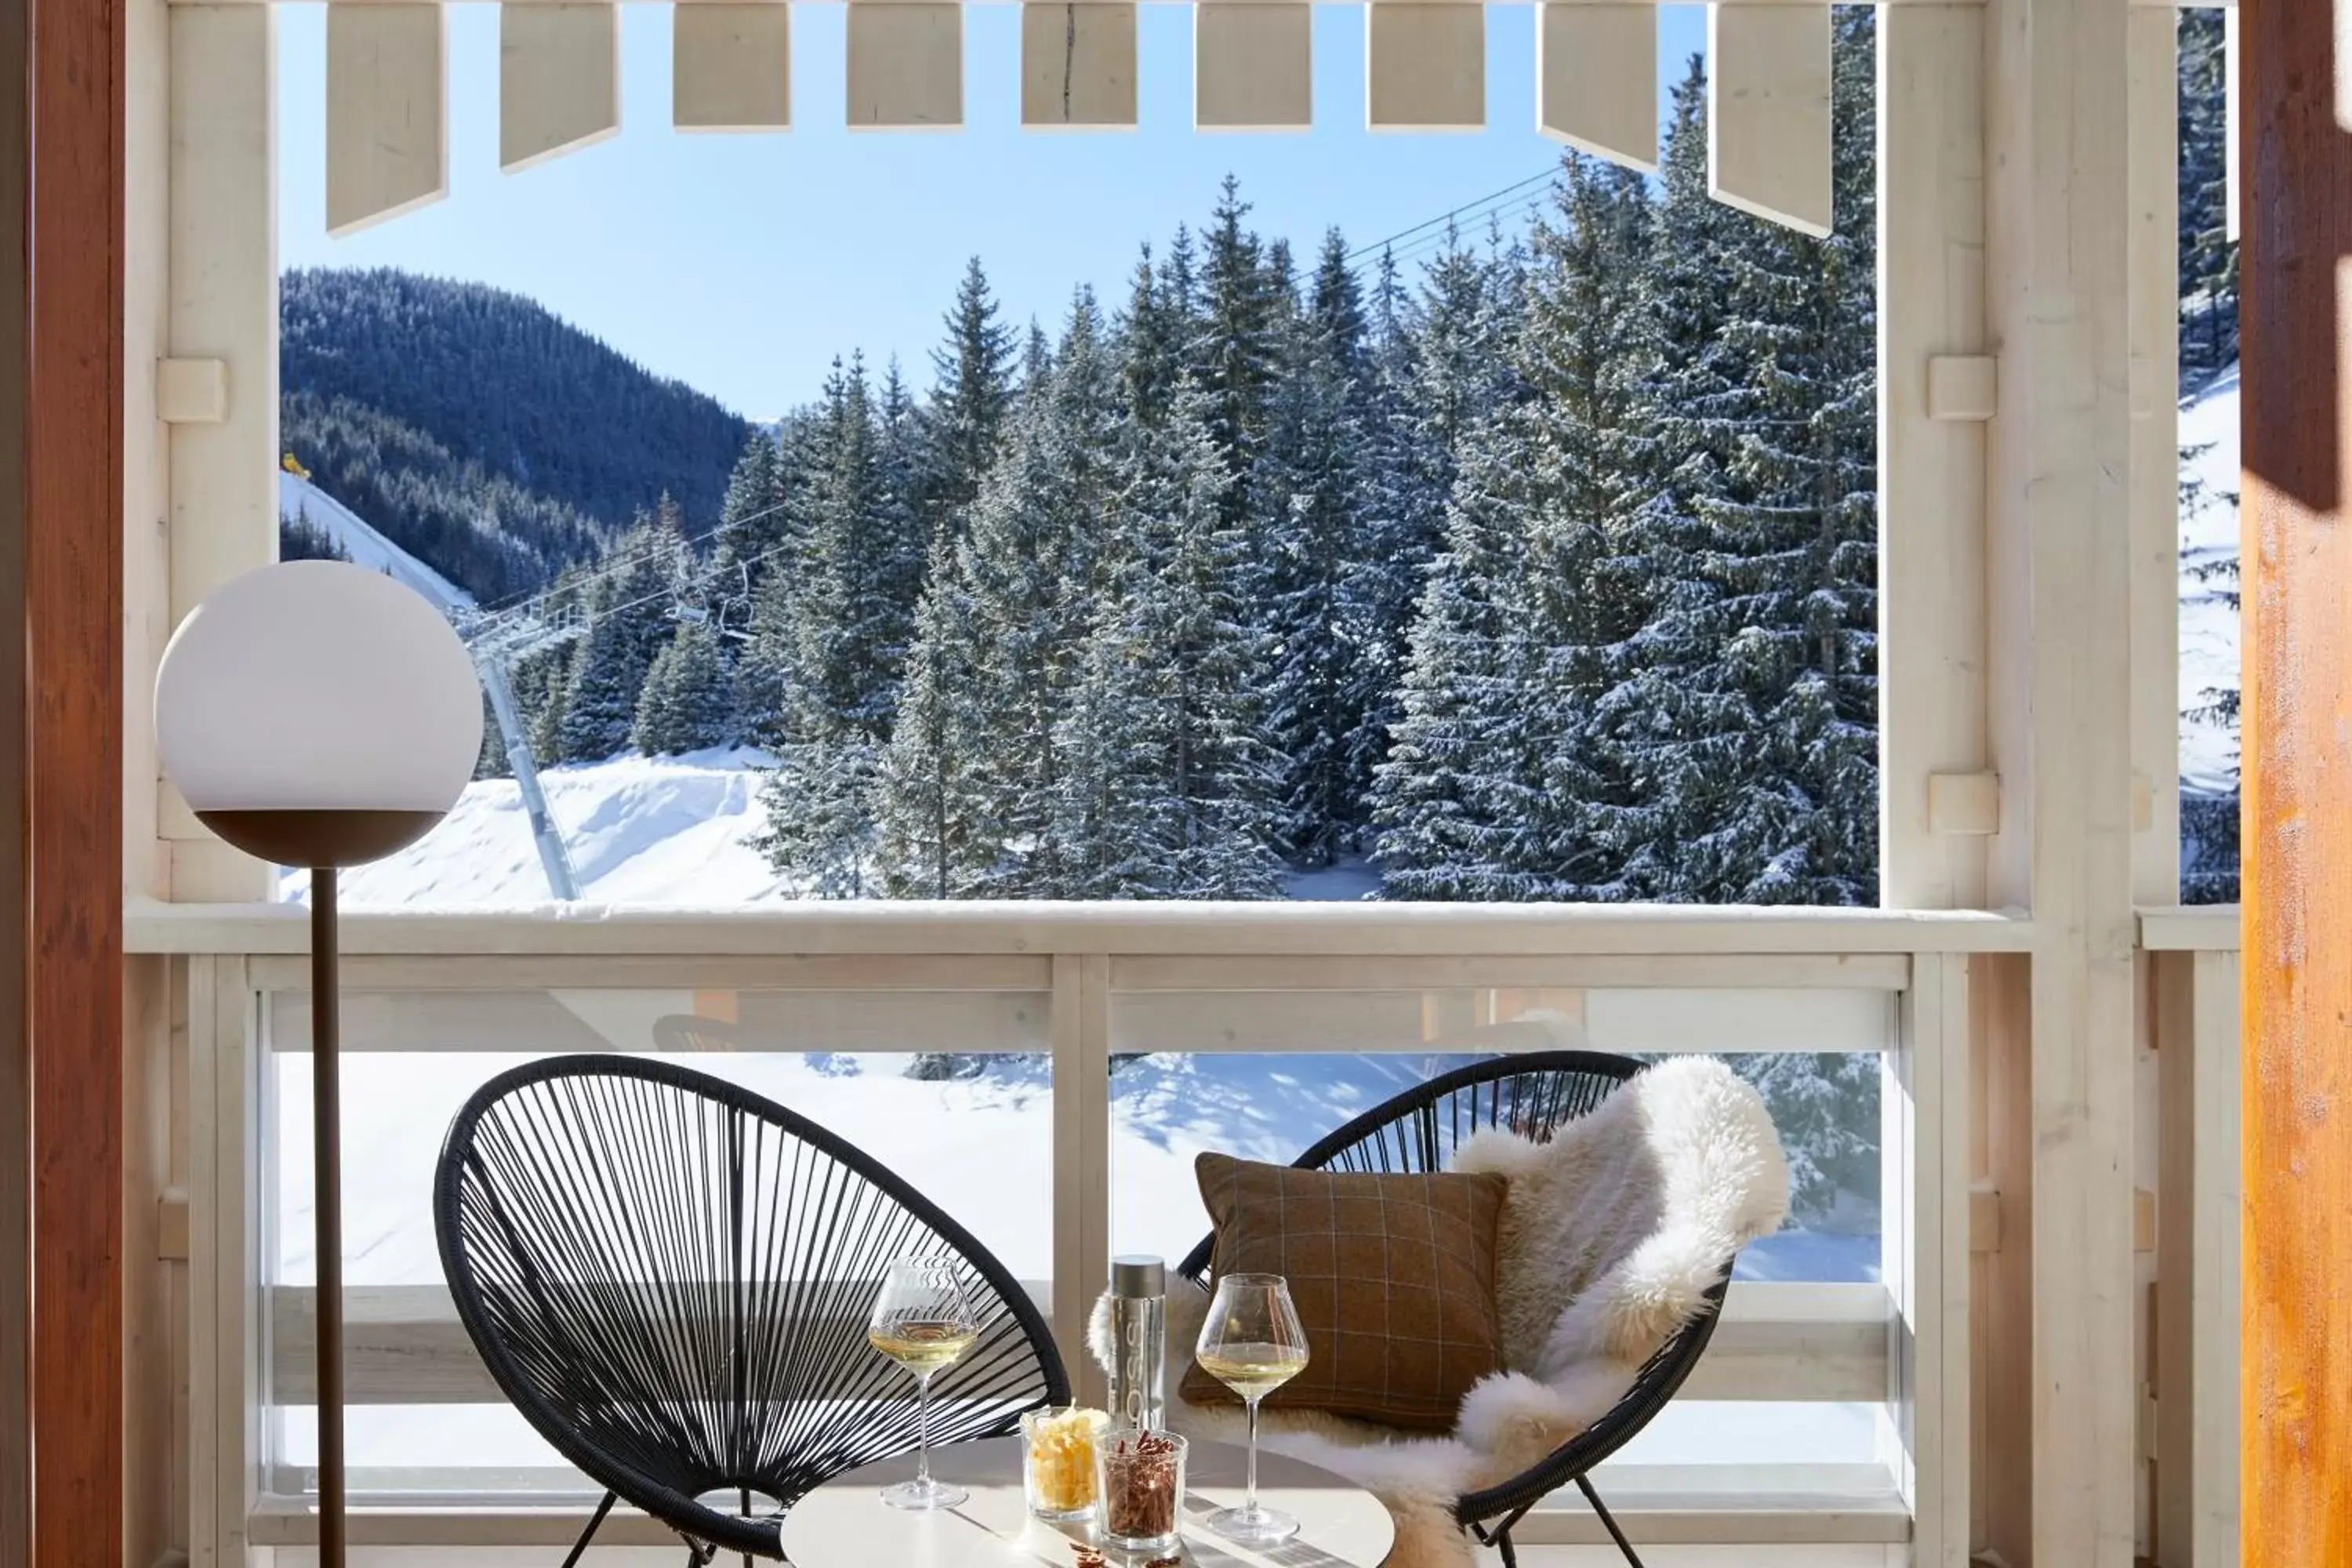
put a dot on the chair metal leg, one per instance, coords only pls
(1607, 1520)
(589, 1534)
(1510, 1554)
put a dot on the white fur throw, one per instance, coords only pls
(1612, 1232)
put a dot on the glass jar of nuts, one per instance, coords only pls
(1057, 1460)
(1142, 1489)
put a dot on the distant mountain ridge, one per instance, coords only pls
(481, 432)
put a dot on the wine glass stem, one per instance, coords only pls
(1249, 1505)
(923, 1431)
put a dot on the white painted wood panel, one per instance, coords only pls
(1253, 65)
(1597, 79)
(1077, 65)
(223, 306)
(731, 67)
(1768, 111)
(906, 65)
(2154, 482)
(559, 80)
(1424, 66)
(387, 119)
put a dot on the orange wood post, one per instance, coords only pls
(2296, 1384)
(72, 758)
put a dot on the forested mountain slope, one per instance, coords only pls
(481, 432)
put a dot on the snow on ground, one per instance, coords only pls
(297, 497)
(642, 831)
(2209, 537)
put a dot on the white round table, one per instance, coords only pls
(845, 1525)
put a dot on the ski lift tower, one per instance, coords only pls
(497, 641)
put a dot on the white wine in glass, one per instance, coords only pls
(1252, 1343)
(923, 1320)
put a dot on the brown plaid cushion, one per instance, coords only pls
(1393, 1277)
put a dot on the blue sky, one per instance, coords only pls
(743, 264)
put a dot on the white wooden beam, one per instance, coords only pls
(223, 307)
(559, 80)
(1768, 123)
(1964, 802)
(731, 67)
(2058, 247)
(906, 65)
(1931, 468)
(2155, 481)
(1597, 79)
(387, 122)
(1253, 65)
(1426, 65)
(1077, 65)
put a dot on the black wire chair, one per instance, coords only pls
(671, 1278)
(1532, 1094)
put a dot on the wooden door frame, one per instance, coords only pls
(61, 533)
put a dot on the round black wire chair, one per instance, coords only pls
(1531, 1093)
(671, 1278)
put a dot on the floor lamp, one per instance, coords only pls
(317, 714)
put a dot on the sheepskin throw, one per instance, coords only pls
(1392, 1274)
(1612, 1232)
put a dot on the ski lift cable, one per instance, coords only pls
(1421, 233)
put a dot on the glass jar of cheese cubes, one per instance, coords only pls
(1057, 1460)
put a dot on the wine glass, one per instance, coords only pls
(923, 1320)
(1252, 1343)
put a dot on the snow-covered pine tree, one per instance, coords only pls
(1234, 351)
(1311, 475)
(629, 621)
(839, 630)
(1672, 724)
(972, 768)
(1166, 786)
(1790, 816)
(963, 423)
(687, 703)
(931, 832)
(2209, 258)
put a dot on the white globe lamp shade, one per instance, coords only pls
(317, 714)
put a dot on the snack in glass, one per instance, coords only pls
(1142, 1489)
(1057, 1460)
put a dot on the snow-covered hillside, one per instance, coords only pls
(298, 498)
(2209, 622)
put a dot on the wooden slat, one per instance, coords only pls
(1077, 65)
(1253, 65)
(72, 762)
(559, 80)
(387, 120)
(906, 65)
(1597, 79)
(2196, 1499)
(731, 67)
(1873, 972)
(2296, 556)
(1426, 65)
(404, 1345)
(1768, 111)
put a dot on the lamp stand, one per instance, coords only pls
(327, 1209)
(323, 841)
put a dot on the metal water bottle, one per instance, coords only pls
(1139, 1323)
